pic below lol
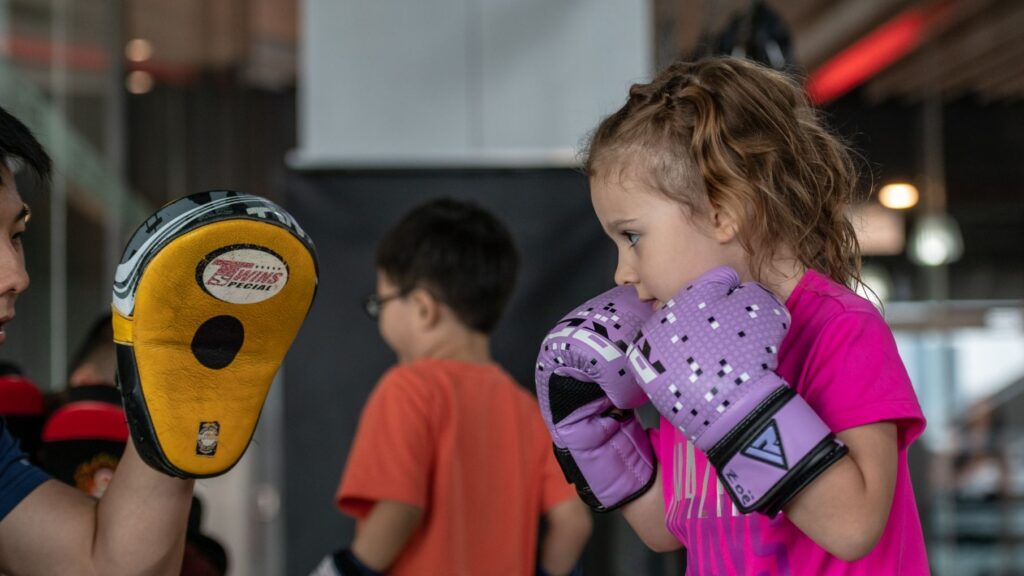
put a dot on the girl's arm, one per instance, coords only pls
(646, 515)
(858, 489)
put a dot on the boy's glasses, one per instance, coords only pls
(373, 302)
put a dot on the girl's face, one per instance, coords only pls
(662, 249)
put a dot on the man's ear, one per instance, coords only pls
(428, 308)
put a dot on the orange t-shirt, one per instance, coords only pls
(465, 443)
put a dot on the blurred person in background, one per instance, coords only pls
(95, 362)
(22, 407)
(451, 471)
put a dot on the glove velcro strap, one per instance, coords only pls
(776, 451)
(825, 454)
(574, 476)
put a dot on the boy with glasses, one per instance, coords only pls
(451, 470)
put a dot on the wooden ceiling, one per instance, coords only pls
(967, 47)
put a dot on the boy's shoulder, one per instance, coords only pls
(406, 375)
(407, 388)
(433, 385)
(440, 373)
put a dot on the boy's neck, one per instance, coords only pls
(455, 343)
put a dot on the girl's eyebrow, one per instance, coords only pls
(620, 222)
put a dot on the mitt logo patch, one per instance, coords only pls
(206, 443)
(242, 274)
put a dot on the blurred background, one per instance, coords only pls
(349, 112)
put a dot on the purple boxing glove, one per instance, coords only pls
(707, 360)
(586, 391)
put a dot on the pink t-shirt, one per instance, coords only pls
(841, 357)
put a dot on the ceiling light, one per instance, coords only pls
(936, 241)
(899, 196)
(880, 232)
(876, 284)
(138, 50)
(139, 82)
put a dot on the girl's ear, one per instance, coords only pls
(724, 223)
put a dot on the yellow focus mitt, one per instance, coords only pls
(208, 296)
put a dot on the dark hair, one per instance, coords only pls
(8, 368)
(17, 141)
(731, 134)
(459, 252)
(99, 339)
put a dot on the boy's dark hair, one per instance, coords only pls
(17, 141)
(98, 340)
(462, 254)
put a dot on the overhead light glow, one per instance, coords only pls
(936, 241)
(139, 82)
(880, 232)
(899, 196)
(138, 50)
(876, 285)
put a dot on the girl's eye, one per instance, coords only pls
(631, 237)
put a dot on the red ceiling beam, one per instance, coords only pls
(44, 51)
(876, 51)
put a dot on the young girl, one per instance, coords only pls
(724, 163)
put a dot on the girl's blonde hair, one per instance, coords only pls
(739, 137)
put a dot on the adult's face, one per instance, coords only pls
(14, 217)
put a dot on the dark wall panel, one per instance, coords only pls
(339, 356)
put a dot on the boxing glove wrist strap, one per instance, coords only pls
(774, 452)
